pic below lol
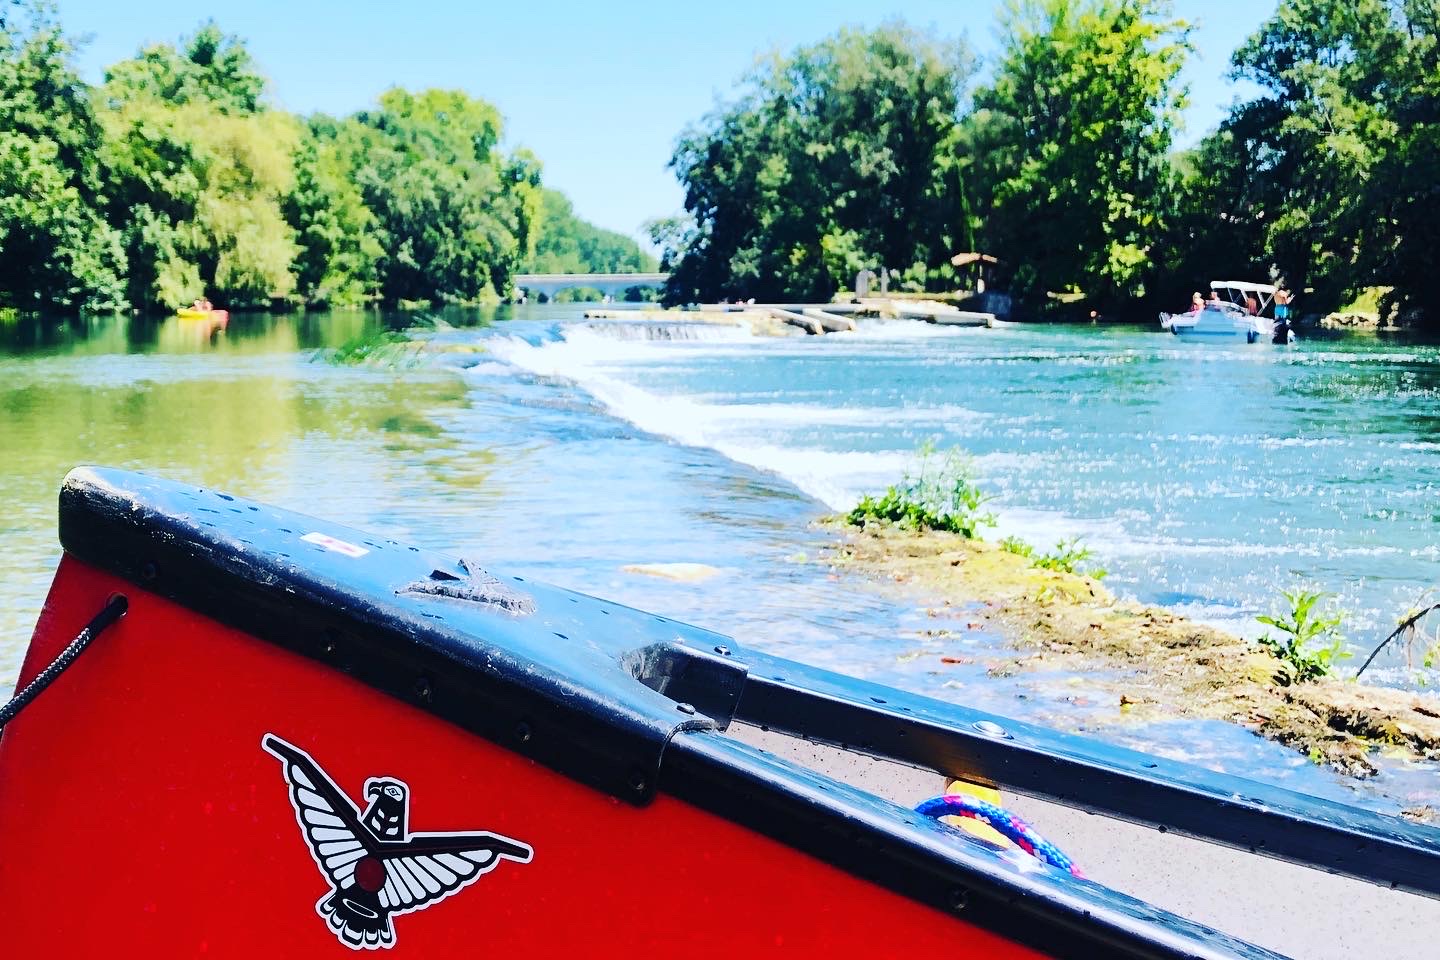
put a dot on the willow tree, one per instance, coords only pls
(1071, 142)
(835, 158)
(198, 170)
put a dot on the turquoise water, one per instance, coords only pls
(566, 451)
(1204, 477)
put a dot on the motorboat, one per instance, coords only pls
(243, 731)
(1227, 319)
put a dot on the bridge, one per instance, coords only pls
(613, 284)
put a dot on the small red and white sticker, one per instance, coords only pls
(338, 546)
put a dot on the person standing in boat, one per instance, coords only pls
(1252, 306)
(1282, 305)
(1197, 303)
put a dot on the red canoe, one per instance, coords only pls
(293, 739)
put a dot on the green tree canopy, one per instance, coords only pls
(1346, 140)
(198, 172)
(56, 251)
(838, 157)
(566, 244)
(1070, 141)
(455, 214)
(341, 244)
(212, 69)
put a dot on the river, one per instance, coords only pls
(1204, 478)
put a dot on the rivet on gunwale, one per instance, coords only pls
(991, 729)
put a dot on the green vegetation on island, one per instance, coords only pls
(921, 538)
(175, 180)
(888, 148)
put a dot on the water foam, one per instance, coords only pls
(836, 478)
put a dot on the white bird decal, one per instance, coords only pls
(375, 866)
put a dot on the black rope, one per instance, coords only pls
(113, 610)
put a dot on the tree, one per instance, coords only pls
(213, 69)
(56, 252)
(198, 170)
(566, 244)
(1405, 213)
(838, 157)
(1320, 132)
(341, 245)
(1071, 143)
(455, 214)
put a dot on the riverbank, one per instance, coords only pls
(1151, 663)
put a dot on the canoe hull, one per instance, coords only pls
(140, 815)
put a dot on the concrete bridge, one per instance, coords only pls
(613, 284)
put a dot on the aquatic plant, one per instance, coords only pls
(938, 493)
(1308, 644)
(384, 347)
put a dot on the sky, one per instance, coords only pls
(598, 90)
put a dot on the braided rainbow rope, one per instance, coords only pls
(1008, 825)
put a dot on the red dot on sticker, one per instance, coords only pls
(370, 874)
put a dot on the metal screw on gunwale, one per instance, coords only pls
(991, 729)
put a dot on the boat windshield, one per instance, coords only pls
(1238, 290)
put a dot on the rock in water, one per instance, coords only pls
(688, 572)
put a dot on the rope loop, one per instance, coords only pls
(1004, 822)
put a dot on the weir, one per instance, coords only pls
(813, 318)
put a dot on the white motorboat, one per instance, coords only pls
(1227, 319)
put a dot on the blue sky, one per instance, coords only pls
(598, 90)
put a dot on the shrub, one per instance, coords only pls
(1308, 645)
(939, 493)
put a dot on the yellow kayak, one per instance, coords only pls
(220, 318)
